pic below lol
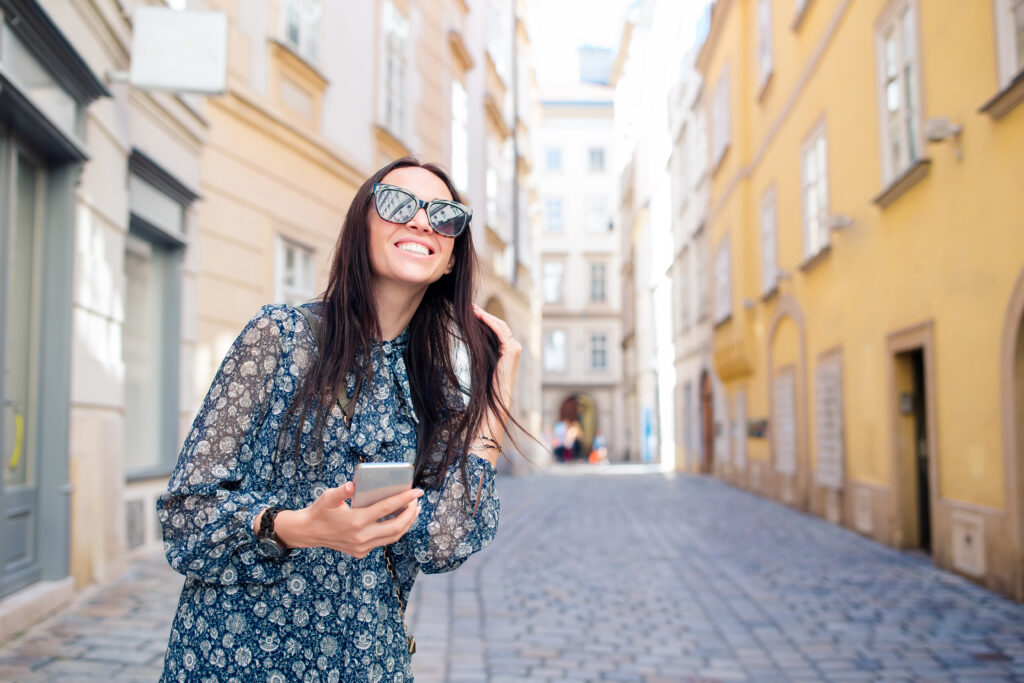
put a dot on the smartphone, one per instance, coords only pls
(375, 481)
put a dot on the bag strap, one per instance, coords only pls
(348, 410)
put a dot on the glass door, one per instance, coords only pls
(23, 178)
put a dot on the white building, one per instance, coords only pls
(696, 384)
(578, 252)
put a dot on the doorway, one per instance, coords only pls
(913, 448)
(22, 176)
(707, 422)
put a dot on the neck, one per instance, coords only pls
(395, 307)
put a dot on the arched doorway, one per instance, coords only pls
(1012, 401)
(707, 424)
(578, 413)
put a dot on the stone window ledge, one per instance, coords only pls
(903, 182)
(814, 259)
(1006, 100)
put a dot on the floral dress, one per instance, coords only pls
(315, 614)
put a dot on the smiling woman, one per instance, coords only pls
(284, 578)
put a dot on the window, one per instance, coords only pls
(393, 84)
(150, 342)
(597, 159)
(553, 215)
(699, 146)
(769, 249)
(720, 118)
(702, 280)
(598, 351)
(815, 194)
(597, 282)
(1010, 38)
(554, 351)
(460, 135)
(897, 53)
(683, 290)
(295, 276)
(554, 274)
(553, 158)
(723, 285)
(764, 40)
(300, 24)
(597, 215)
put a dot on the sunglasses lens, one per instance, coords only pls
(395, 205)
(447, 219)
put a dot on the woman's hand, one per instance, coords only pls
(329, 522)
(509, 351)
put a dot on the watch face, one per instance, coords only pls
(270, 547)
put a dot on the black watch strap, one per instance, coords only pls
(266, 529)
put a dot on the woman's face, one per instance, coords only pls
(396, 249)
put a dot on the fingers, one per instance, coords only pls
(391, 505)
(500, 328)
(336, 496)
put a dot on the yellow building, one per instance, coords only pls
(867, 267)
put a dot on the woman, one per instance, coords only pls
(284, 580)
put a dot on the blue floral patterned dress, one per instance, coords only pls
(315, 614)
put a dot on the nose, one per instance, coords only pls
(419, 219)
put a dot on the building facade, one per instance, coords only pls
(145, 228)
(579, 264)
(867, 275)
(99, 244)
(697, 389)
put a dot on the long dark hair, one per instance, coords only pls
(444, 317)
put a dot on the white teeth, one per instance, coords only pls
(414, 248)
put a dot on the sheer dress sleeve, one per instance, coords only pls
(221, 480)
(451, 525)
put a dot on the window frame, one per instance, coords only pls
(590, 160)
(765, 44)
(769, 275)
(546, 347)
(283, 292)
(822, 240)
(601, 348)
(307, 44)
(553, 154)
(721, 129)
(549, 226)
(594, 281)
(547, 272)
(1006, 41)
(723, 285)
(897, 16)
(394, 47)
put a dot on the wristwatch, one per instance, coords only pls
(267, 542)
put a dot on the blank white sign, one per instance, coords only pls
(183, 51)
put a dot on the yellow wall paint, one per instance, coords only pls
(948, 251)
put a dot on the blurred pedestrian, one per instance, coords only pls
(558, 441)
(284, 580)
(573, 437)
(599, 450)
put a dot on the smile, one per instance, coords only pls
(414, 248)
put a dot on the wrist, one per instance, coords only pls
(290, 527)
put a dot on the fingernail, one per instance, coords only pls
(418, 492)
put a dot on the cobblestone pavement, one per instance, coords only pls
(625, 578)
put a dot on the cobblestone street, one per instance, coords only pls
(626, 578)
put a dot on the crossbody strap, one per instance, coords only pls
(348, 410)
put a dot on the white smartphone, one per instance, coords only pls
(375, 481)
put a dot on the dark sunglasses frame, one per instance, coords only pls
(420, 204)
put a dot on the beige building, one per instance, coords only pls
(99, 229)
(149, 227)
(579, 266)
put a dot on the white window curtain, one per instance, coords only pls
(815, 195)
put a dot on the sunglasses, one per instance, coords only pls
(398, 205)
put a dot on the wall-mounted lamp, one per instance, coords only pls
(748, 303)
(783, 274)
(839, 221)
(940, 129)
